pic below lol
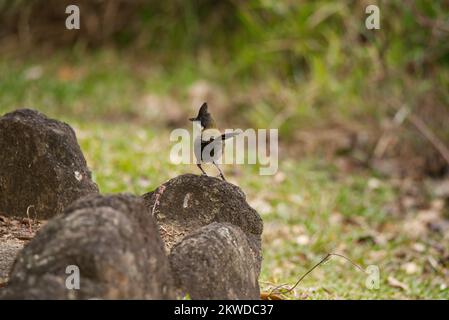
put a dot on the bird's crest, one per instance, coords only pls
(204, 117)
(203, 110)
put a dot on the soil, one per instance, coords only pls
(14, 234)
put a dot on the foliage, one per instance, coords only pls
(293, 65)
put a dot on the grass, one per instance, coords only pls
(311, 207)
(307, 213)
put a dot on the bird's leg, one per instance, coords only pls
(203, 172)
(221, 173)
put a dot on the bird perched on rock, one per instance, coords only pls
(209, 145)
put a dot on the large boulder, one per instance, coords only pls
(189, 202)
(42, 168)
(114, 243)
(215, 262)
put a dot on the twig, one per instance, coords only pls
(404, 113)
(429, 135)
(327, 257)
(24, 237)
(159, 193)
(29, 219)
(386, 137)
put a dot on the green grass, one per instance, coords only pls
(309, 209)
(333, 214)
(291, 65)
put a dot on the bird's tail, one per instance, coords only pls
(225, 136)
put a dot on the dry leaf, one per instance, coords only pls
(268, 296)
(302, 240)
(433, 262)
(392, 281)
(410, 268)
(279, 177)
(33, 73)
(419, 247)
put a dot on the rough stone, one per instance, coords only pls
(42, 168)
(189, 202)
(215, 262)
(111, 239)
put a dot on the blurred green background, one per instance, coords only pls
(353, 177)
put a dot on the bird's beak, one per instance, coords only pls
(192, 119)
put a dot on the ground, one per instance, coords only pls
(14, 234)
(314, 205)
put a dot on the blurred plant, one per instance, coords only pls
(283, 63)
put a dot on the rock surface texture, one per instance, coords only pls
(114, 243)
(194, 235)
(42, 168)
(211, 234)
(215, 262)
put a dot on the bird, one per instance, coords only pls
(209, 145)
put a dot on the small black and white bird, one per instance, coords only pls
(209, 145)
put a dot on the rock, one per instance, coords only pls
(111, 239)
(42, 168)
(189, 202)
(215, 262)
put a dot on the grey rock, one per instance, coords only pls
(111, 239)
(215, 262)
(189, 202)
(42, 168)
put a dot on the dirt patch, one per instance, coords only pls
(14, 234)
